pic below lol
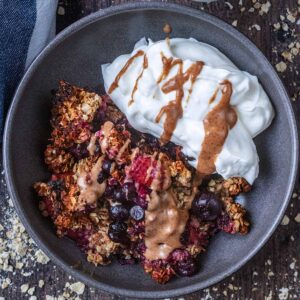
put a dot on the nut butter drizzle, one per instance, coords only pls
(115, 83)
(216, 126)
(90, 189)
(173, 110)
(164, 224)
(164, 220)
(145, 66)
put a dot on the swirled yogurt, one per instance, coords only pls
(190, 93)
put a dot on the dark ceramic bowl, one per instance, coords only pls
(76, 56)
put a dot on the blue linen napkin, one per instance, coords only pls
(26, 26)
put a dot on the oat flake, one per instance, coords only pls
(281, 67)
(77, 287)
(297, 218)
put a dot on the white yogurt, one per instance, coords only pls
(255, 113)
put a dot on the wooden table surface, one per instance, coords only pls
(273, 273)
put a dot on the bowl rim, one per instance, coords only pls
(80, 24)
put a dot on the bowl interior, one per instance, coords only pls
(76, 57)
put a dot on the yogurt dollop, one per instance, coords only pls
(137, 84)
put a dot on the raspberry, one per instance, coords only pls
(80, 236)
(225, 223)
(178, 255)
(194, 235)
(182, 262)
(139, 170)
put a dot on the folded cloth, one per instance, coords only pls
(26, 26)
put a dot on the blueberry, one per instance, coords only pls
(109, 191)
(118, 195)
(135, 137)
(170, 149)
(118, 212)
(99, 119)
(129, 191)
(101, 177)
(137, 213)
(186, 267)
(120, 126)
(97, 147)
(57, 185)
(152, 141)
(79, 151)
(207, 207)
(117, 232)
(106, 166)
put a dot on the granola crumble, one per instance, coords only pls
(92, 148)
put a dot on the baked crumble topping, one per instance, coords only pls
(110, 185)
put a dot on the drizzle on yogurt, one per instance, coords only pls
(173, 110)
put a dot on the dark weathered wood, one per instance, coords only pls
(252, 281)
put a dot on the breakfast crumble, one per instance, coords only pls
(103, 175)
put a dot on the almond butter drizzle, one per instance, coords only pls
(145, 66)
(167, 29)
(105, 131)
(217, 124)
(92, 145)
(90, 189)
(115, 83)
(164, 220)
(164, 223)
(122, 150)
(214, 96)
(173, 109)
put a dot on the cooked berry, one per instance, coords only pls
(179, 255)
(142, 202)
(152, 141)
(139, 170)
(98, 119)
(129, 190)
(118, 212)
(79, 151)
(112, 181)
(137, 213)
(186, 267)
(120, 126)
(97, 147)
(57, 185)
(109, 191)
(117, 232)
(101, 177)
(106, 166)
(226, 224)
(81, 236)
(118, 195)
(139, 248)
(207, 206)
